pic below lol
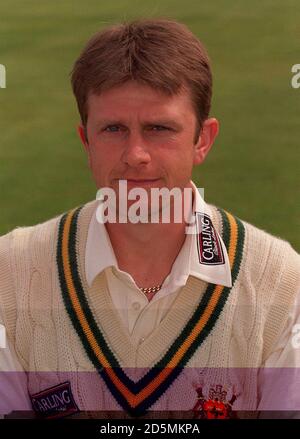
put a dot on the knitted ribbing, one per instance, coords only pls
(136, 396)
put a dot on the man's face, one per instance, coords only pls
(141, 135)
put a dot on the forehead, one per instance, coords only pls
(136, 100)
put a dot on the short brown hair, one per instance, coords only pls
(160, 53)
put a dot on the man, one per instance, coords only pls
(142, 316)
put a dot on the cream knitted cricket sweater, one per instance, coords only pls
(91, 349)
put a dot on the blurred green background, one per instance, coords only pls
(253, 169)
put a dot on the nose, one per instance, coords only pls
(136, 151)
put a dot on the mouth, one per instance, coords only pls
(142, 182)
(137, 181)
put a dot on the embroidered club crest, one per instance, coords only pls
(215, 406)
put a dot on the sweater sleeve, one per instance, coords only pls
(13, 379)
(279, 379)
(279, 375)
(283, 306)
(7, 290)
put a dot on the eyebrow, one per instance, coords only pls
(168, 122)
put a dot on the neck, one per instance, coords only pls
(146, 251)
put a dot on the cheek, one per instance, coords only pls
(102, 156)
(176, 155)
(185, 158)
(106, 164)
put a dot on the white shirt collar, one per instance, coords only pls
(100, 254)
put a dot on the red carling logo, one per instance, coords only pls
(209, 246)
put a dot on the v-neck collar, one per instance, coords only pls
(99, 253)
(169, 348)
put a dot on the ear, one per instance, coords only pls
(82, 134)
(83, 137)
(206, 139)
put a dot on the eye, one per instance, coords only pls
(112, 128)
(159, 128)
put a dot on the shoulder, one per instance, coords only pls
(21, 240)
(20, 254)
(268, 262)
(269, 275)
(39, 240)
(271, 255)
(22, 250)
(25, 251)
(260, 247)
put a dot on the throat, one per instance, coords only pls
(148, 261)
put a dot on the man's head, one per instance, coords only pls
(162, 54)
(143, 91)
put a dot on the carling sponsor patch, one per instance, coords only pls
(54, 402)
(209, 246)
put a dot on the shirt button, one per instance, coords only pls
(136, 306)
(142, 339)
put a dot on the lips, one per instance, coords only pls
(148, 180)
(141, 182)
(136, 182)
